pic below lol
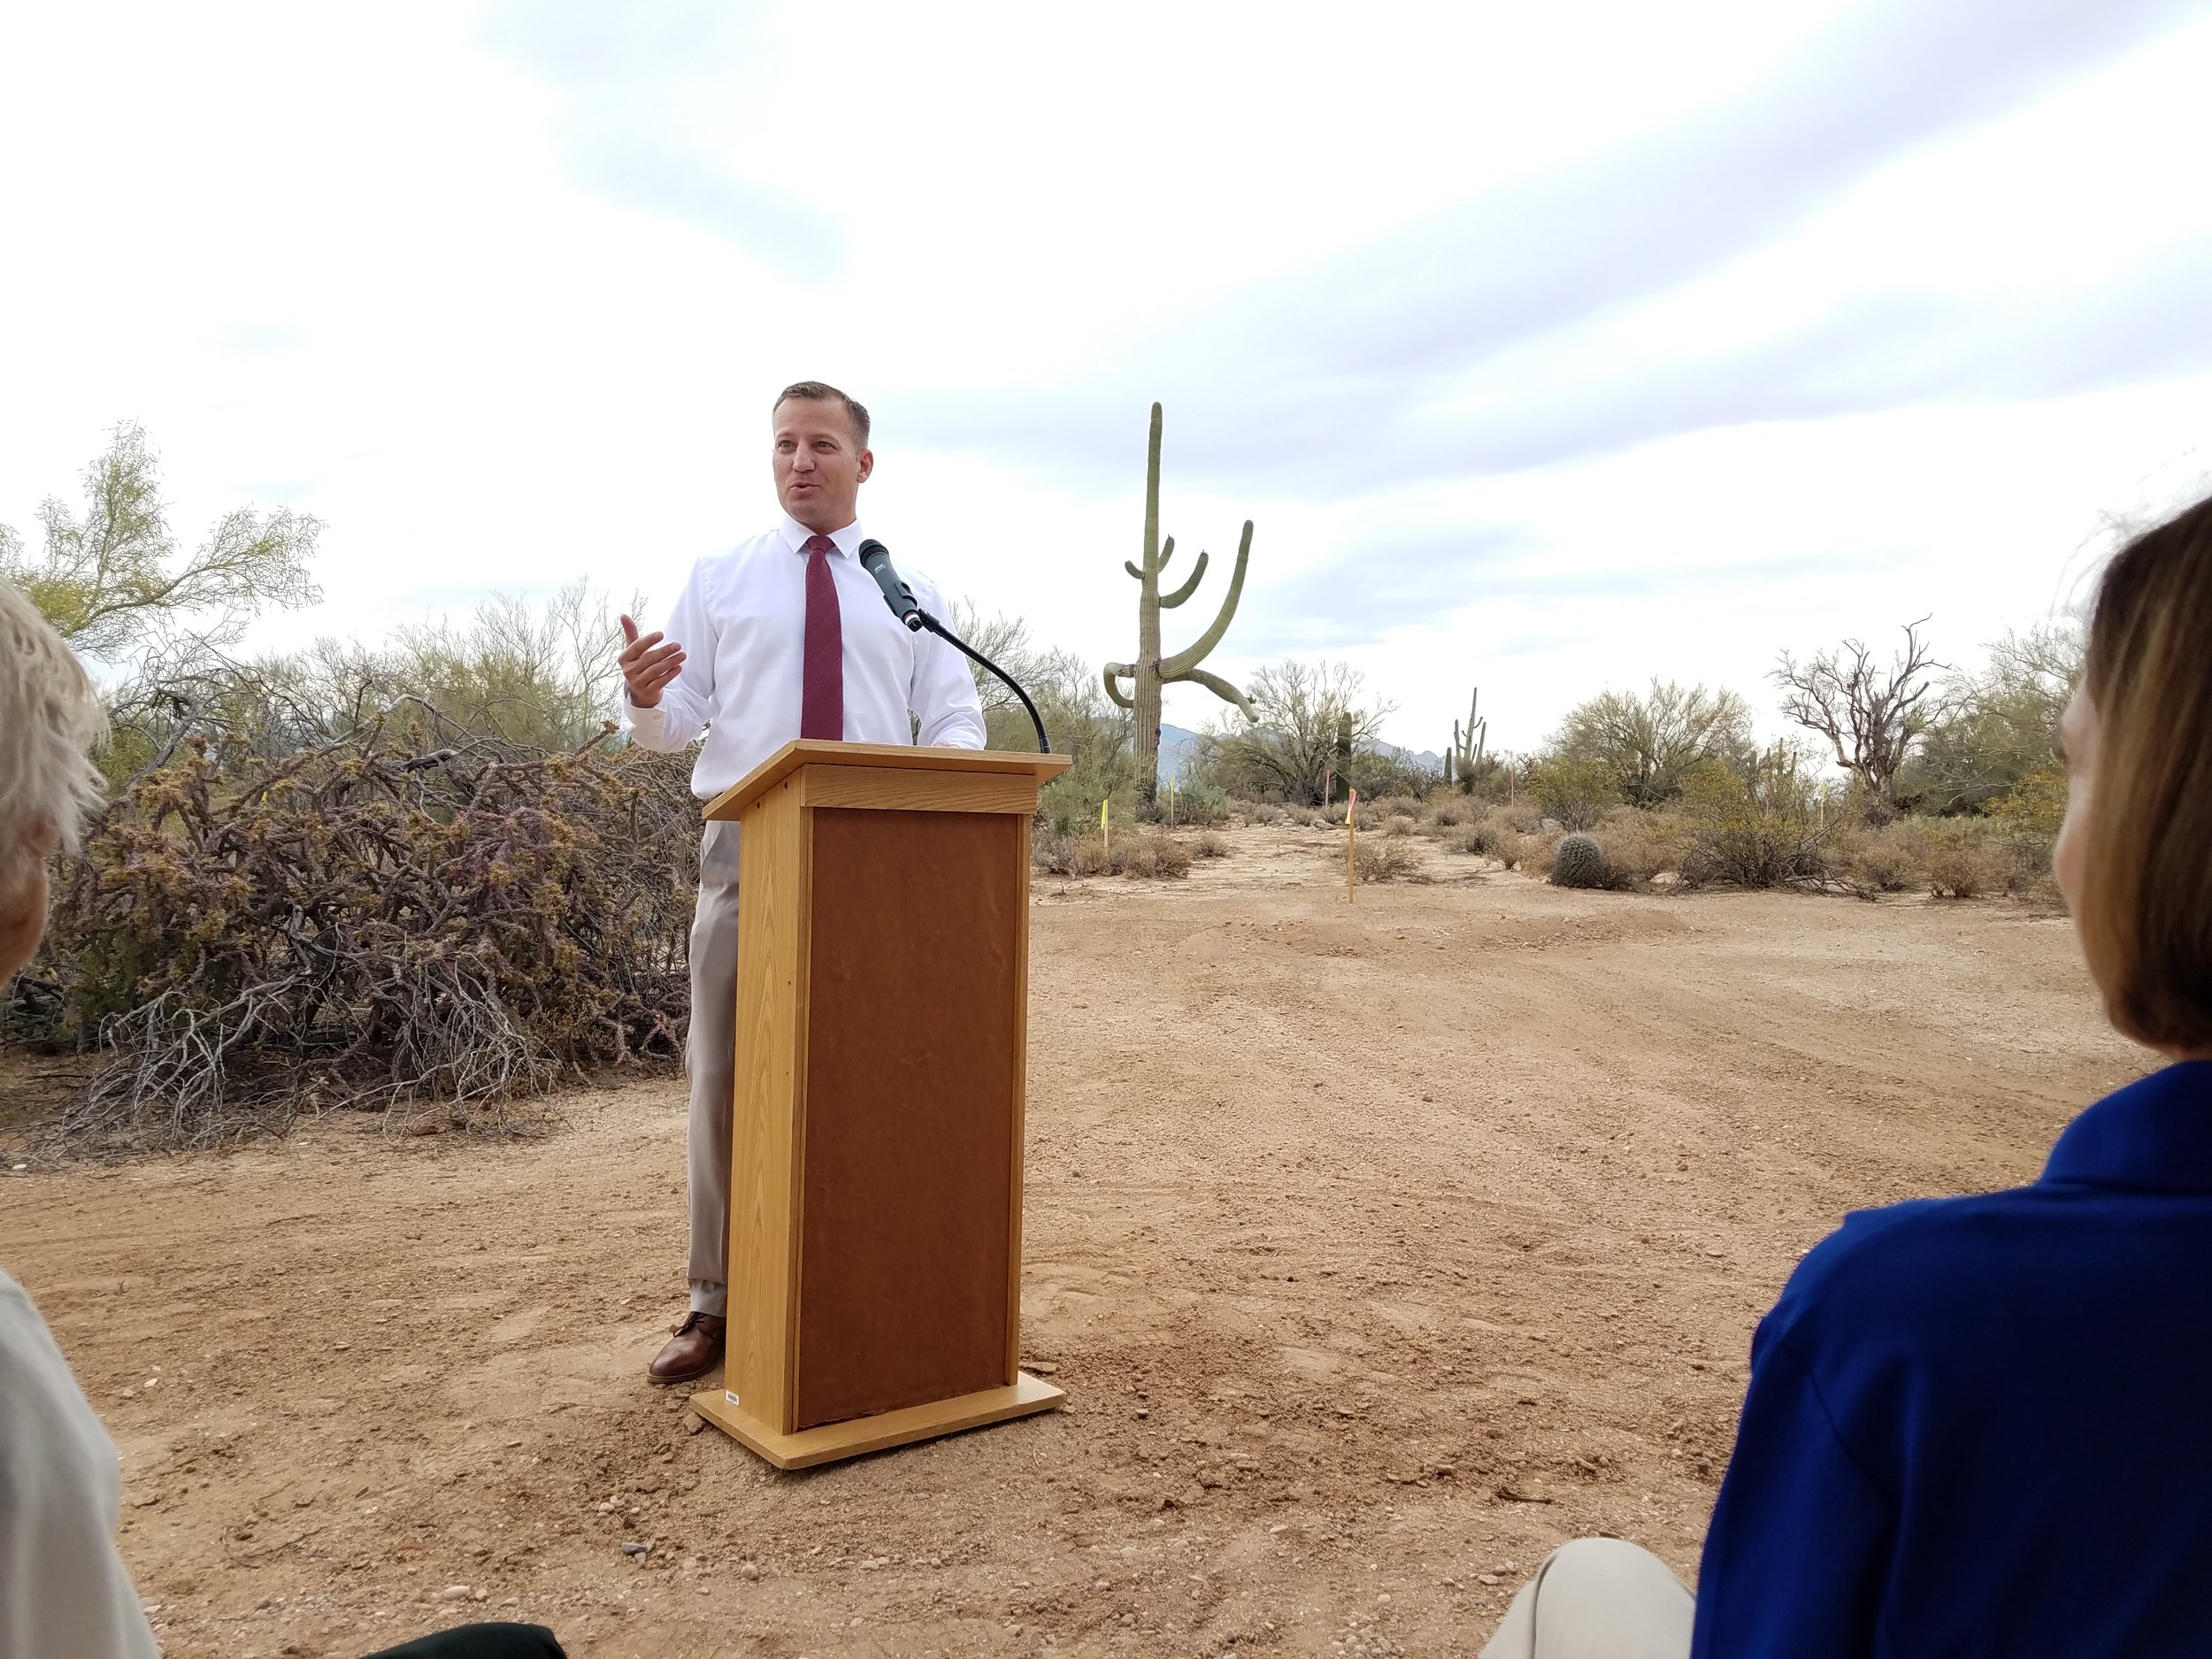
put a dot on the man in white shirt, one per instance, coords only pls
(783, 636)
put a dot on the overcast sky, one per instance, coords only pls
(1549, 347)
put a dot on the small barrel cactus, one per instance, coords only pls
(1581, 863)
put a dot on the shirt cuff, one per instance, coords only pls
(646, 724)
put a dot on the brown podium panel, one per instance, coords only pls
(911, 993)
(875, 1227)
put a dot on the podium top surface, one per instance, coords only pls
(810, 751)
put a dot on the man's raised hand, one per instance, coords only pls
(648, 665)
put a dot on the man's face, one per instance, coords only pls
(819, 467)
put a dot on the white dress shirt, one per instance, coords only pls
(64, 1590)
(741, 621)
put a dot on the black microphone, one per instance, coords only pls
(875, 558)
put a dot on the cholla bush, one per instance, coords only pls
(1579, 862)
(370, 921)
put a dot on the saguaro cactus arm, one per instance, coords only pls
(1115, 674)
(1222, 689)
(1197, 575)
(1179, 666)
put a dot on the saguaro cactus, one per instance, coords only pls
(1463, 759)
(1151, 670)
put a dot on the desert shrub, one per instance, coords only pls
(1965, 858)
(1206, 845)
(1397, 826)
(1384, 859)
(1523, 816)
(1449, 812)
(1189, 805)
(1263, 812)
(366, 922)
(1640, 845)
(1490, 840)
(1867, 861)
(1573, 789)
(1759, 825)
(1148, 855)
(1579, 862)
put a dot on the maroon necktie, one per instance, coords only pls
(822, 675)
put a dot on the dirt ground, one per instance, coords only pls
(1379, 1246)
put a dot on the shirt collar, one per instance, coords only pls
(2155, 1135)
(795, 536)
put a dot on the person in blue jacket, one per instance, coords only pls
(1983, 1426)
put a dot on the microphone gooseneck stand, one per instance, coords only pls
(875, 558)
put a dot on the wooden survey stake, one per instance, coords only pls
(876, 1152)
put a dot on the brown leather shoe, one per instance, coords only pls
(694, 1350)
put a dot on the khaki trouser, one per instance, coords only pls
(710, 1056)
(1597, 1598)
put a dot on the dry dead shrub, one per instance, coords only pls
(1397, 826)
(1491, 838)
(1640, 845)
(1965, 858)
(1869, 862)
(1385, 858)
(1450, 813)
(364, 923)
(1523, 816)
(1206, 845)
(1149, 855)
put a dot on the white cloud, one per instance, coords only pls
(502, 296)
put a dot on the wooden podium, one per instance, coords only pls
(876, 1153)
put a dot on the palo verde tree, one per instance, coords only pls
(1872, 718)
(112, 582)
(1151, 670)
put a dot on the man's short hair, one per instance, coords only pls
(49, 720)
(818, 392)
(2146, 915)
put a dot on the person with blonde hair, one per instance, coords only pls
(65, 1593)
(1979, 1425)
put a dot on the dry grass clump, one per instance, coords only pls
(1386, 858)
(1149, 856)
(1206, 845)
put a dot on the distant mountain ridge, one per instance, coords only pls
(1178, 746)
